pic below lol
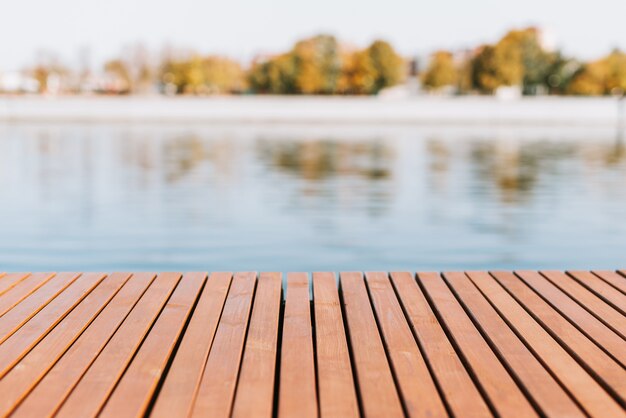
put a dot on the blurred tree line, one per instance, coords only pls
(319, 65)
(322, 65)
(519, 59)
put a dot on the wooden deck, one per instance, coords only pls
(521, 344)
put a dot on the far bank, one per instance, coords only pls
(288, 109)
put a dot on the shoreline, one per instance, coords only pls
(417, 110)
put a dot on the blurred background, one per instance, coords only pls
(245, 135)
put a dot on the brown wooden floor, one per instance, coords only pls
(473, 344)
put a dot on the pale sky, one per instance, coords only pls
(241, 28)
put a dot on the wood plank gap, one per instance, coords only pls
(22, 290)
(219, 379)
(175, 399)
(601, 289)
(255, 390)
(95, 386)
(10, 280)
(33, 367)
(420, 391)
(375, 382)
(297, 390)
(603, 368)
(614, 279)
(49, 394)
(503, 391)
(337, 394)
(588, 300)
(35, 302)
(537, 382)
(577, 315)
(587, 392)
(134, 391)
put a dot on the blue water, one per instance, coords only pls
(201, 197)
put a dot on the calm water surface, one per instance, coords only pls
(116, 197)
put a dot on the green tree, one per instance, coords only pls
(274, 76)
(199, 75)
(601, 77)
(486, 70)
(561, 73)
(518, 59)
(388, 65)
(120, 71)
(536, 62)
(317, 65)
(357, 74)
(441, 71)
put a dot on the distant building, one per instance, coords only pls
(17, 82)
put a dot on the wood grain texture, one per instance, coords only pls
(18, 344)
(377, 390)
(17, 384)
(183, 379)
(21, 290)
(593, 398)
(522, 344)
(255, 390)
(613, 278)
(416, 385)
(217, 387)
(503, 392)
(95, 386)
(455, 382)
(8, 281)
(598, 307)
(545, 391)
(337, 393)
(134, 391)
(592, 357)
(46, 398)
(602, 289)
(36, 301)
(298, 395)
(578, 316)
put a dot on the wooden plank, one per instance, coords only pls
(599, 308)
(578, 316)
(592, 397)
(22, 290)
(297, 391)
(534, 379)
(456, 385)
(183, 379)
(337, 393)
(375, 384)
(614, 279)
(20, 314)
(602, 289)
(503, 392)
(8, 281)
(217, 387)
(98, 382)
(57, 384)
(416, 385)
(592, 357)
(135, 390)
(15, 385)
(255, 390)
(17, 345)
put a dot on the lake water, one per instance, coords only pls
(295, 197)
